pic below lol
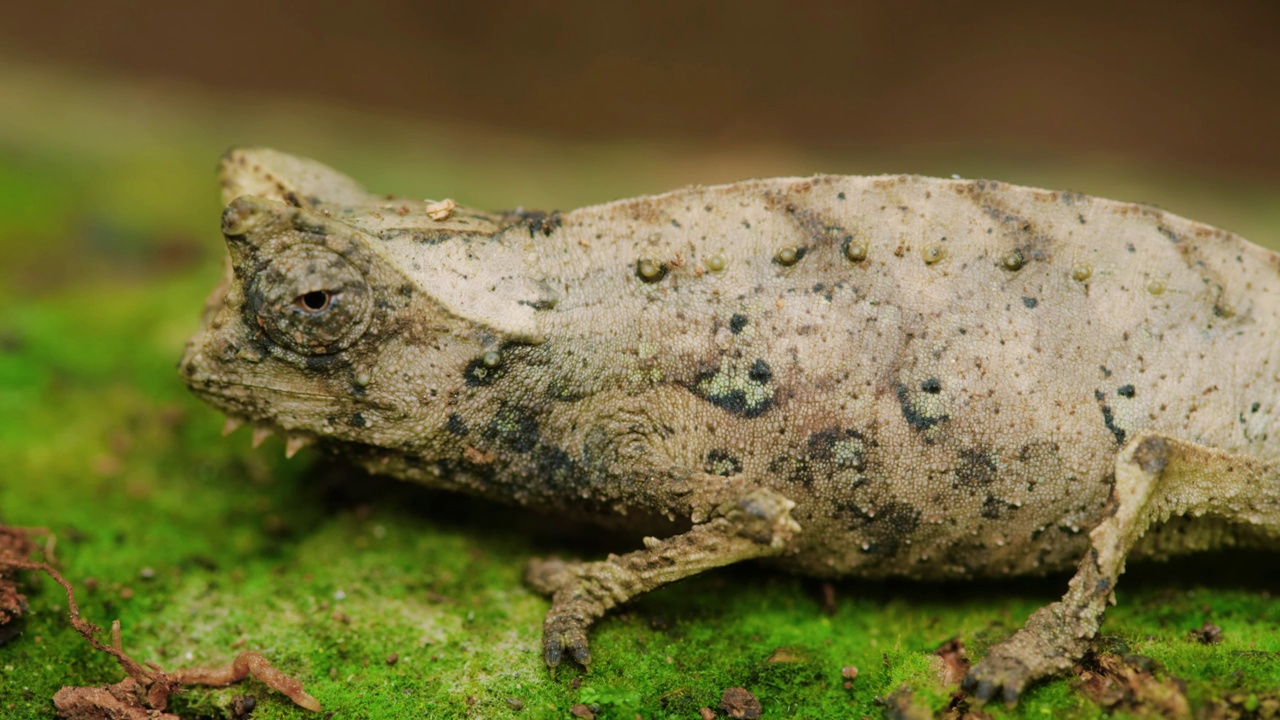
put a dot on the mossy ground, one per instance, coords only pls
(201, 546)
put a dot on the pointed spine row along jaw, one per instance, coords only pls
(294, 441)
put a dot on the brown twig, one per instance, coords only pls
(157, 684)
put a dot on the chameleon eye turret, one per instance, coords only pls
(311, 300)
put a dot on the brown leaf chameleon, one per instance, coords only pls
(867, 376)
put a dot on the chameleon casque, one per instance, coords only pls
(842, 376)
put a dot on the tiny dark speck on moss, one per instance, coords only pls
(840, 196)
(1126, 391)
(932, 386)
(1030, 302)
(1255, 407)
(737, 322)
(357, 420)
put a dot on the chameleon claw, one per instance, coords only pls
(985, 691)
(581, 653)
(552, 651)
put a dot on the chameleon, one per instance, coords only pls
(871, 377)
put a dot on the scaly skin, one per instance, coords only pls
(849, 376)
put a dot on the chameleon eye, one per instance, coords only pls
(312, 301)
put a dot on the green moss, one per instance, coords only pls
(202, 546)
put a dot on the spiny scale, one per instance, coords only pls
(260, 434)
(231, 425)
(294, 444)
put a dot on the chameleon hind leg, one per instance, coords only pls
(756, 523)
(1156, 477)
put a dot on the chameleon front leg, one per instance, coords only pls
(756, 523)
(1156, 477)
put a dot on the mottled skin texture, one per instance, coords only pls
(870, 376)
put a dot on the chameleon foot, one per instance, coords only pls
(755, 524)
(1156, 477)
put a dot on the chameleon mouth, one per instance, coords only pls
(235, 400)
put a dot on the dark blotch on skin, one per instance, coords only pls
(538, 304)
(736, 403)
(796, 470)
(477, 374)
(993, 508)
(892, 525)
(540, 222)
(556, 469)
(305, 224)
(1108, 418)
(915, 419)
(562, 390)
(932, 386)
(737, 323)
(1030, 302)
(515, 427)
(1126, 391)
(357, 420)
(457, 425)
(760, 372)
(822, 447)
(977, 467)
(722, 463)
(321, 363)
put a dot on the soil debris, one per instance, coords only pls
(953, 662)
(1207, 634)
(787, 655)
(144, 694)
(1242, 706)
(740, 704)
(902, 704)
(1133, 684)
(15, 546)
(829, 604)
(849, 673)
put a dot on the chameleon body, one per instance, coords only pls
(867, 376)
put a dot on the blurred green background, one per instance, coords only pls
(113, 115)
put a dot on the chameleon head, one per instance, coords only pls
(315, 328)
(291, 334)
